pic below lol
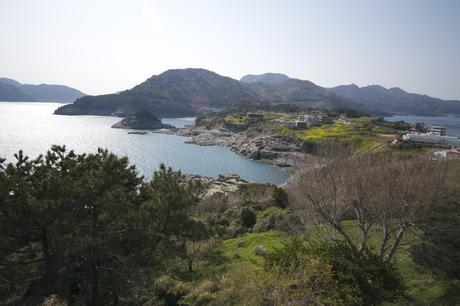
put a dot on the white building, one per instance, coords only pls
(438, 130)
(309, 120)
(436, 136)
(447, 154)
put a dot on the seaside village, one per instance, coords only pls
(419, 134)
(445, 147)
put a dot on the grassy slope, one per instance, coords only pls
(424, 287)
(357, 131)
(361, 132)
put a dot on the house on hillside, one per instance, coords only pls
(307, 121)
(291, 124)
(304, 121)
(342, 118)
(324, 119)
(438, 130)
(418, 127)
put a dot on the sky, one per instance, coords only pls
(104, 46)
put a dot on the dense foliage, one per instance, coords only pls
(331, 272)
(312, 273)
(440, 246)
(86, 227)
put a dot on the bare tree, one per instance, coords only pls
(409, 189)
(386, 191)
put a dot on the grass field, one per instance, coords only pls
(360, 132)
(424, 286)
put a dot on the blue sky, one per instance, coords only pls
(103, 46)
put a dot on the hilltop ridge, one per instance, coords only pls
(185, 92)
(14, 91)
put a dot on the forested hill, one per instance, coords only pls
(183, 92)
(11, 91)
(178, 92)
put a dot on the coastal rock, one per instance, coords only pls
(227, 182)
(141, 121)
(269, 148)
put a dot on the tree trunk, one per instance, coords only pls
(48, 261)
(395, 245)
(94, 277)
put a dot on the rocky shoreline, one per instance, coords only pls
(265, 148)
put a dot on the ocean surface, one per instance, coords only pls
(33, 128)
(452, 124)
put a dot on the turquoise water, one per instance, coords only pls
(33, 128)
(451, 123)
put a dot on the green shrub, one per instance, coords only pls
(280, 197)
(345, 278)
(439, 248)
(204, 294)
(248, 217)
(275, 218)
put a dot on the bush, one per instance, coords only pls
(279, 219)
(166, 291)
(440, 245)
(204, 294)
(329, 270)
(280, 197)
(248, 217)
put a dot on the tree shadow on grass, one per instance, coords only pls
(451, 296)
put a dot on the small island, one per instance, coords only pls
(141, 120)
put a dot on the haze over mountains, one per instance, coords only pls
(397, 101)
(13, 91)
(279, 88)
(184, 92)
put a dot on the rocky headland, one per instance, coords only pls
(257, 146)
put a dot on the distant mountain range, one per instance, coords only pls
(13, 91)
(279, 88)
(184, 92)
(397, 101)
